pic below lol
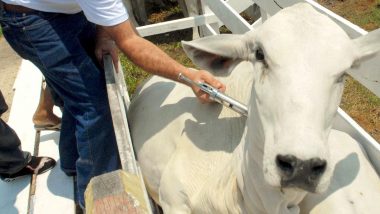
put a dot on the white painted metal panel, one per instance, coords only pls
(269, 6)
(14, 195)
(229, 16)
(240, 5)
(257, 23)
(345, 123)
(208, 29)
(178, 24)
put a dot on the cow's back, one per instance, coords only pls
(176, 135)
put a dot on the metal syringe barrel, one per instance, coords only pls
(224, 99)
(218, 96)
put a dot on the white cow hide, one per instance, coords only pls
(354, 188)
(207, 159)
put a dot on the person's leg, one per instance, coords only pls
(54, 43)
(15, 163)
(44, 117)
(12, 159)
(68, 144)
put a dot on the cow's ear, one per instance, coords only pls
(218, 54)
(368, 45)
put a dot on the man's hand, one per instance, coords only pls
(206, 77)
(105, 45)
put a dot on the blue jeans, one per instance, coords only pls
(62, 47)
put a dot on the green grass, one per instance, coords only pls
(135, 75)
(1, 32)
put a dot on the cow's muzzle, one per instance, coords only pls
(303, 174)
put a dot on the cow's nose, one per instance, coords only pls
(304, 174)
(286, 164)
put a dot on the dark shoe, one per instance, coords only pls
(37, 165)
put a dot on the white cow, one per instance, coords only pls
(207, 159)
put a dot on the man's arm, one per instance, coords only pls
(152, 59)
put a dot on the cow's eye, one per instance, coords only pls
(259, 54)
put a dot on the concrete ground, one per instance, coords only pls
(9, 65)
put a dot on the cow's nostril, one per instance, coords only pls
(317, 166)
(287, 164)
(303, 174)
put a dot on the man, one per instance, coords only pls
(59, 39)
(15, 163)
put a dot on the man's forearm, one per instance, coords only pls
(152, 59)
(145, 54)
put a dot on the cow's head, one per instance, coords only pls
(299, 58)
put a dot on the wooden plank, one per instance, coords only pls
(116, 192)
(229, 16)
(15, 195)
(178, 24)
(54, 190)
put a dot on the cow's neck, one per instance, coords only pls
(219, 194)
(258, 196)
(240, 186)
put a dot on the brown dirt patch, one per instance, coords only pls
(365, 13)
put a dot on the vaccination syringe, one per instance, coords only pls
(218, 96)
